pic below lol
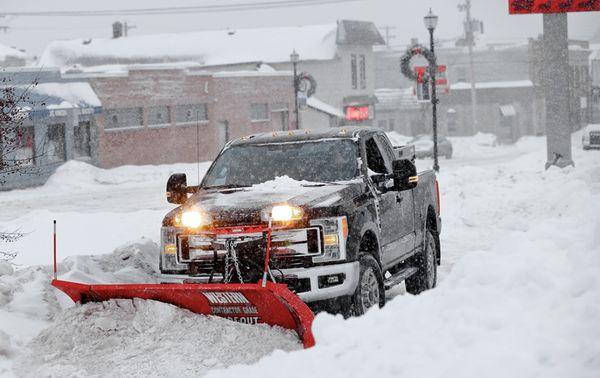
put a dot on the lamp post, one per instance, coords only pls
(431, 21)
(295, 58)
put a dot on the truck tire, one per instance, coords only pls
(426, 261)
(370, 291)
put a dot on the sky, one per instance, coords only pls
(406, 16)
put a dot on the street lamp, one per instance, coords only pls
(431, 21)
(295, 58)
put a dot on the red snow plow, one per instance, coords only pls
(251, 303)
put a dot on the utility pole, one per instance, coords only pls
(470, 39)
(388, 36)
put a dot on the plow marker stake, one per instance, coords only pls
(272, 304)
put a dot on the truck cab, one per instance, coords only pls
(350, 218)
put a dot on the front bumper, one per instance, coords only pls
(350, 271)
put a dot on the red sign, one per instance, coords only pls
(553, 6)
(357, 113)
(441, 78)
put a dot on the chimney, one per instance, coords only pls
(117, 28)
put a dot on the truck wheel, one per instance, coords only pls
(426, 277)
(369, 292)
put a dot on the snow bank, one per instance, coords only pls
(522, 298)
(42, 333)
(76, 175)
(145, 338)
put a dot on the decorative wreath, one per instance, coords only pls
(411, 52)
(307, 83)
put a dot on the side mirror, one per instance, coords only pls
(405, 175)
(177, 188)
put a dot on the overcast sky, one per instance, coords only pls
(33, 33)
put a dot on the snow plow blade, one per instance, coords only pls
(273, 304)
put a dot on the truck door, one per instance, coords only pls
(404, 211)
(389, 211)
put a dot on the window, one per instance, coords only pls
(353, 73)
(363, 72)
(81, 140)
(191, 113)
(55, 148)
(159, 115)
(259, 112)
(375, 160)
(126, 117)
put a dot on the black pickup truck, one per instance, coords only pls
(353, 217)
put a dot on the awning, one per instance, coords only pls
(54, 99)
(319, 105)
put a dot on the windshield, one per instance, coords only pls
(318, 161)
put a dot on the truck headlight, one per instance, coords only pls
(335, 233)
(191, 219)
(285, 213)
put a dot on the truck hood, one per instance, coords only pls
(244, 205)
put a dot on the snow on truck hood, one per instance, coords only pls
(281, 190)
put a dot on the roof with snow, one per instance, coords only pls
(493, 85)
(396, 98)
(44, 98)
(6, 51)
(215, 47)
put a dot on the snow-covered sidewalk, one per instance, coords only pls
(519, 294)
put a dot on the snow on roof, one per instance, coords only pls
(493, 85)
(396, 98)
(216, 47)
(67, 94)
(6, 51)
(321, 106)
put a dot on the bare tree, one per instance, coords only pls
(17, 146)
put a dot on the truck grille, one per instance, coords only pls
(205, 254)
(595, 139)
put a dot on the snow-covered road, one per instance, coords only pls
(519, 292)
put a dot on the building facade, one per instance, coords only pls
(339, 56)
(60, 123)
(169, 114)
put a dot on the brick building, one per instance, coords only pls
(156, 114)
(339, 56)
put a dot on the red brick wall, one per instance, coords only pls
(228, 99)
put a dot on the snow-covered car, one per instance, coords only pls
(591, 137)
(424, 146)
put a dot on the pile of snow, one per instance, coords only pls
(78, 175)
(145, 338)
(43, 333)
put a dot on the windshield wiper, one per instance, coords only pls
(228, 186)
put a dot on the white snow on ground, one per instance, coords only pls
(145, 338)
(519, 294)
(522, 298)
